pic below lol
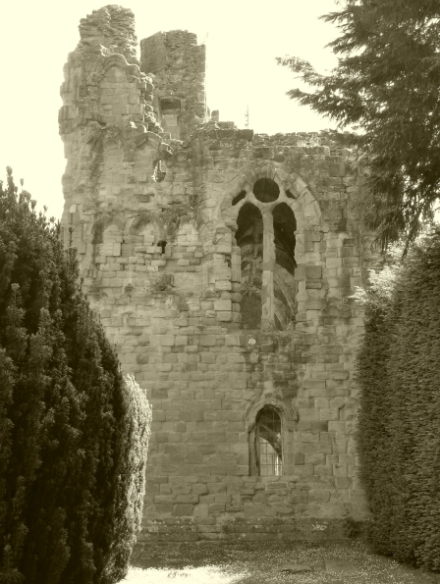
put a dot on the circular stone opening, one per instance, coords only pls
(266, 190)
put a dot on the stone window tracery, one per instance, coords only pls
(265, 233)
(266, 190)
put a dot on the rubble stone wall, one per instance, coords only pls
(155, 221)
(178, 65)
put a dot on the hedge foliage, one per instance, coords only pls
(399, 372)
(73, 432)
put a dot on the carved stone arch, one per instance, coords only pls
(103, 222)
(135, 224)
(108, 235)
(286, 242)
(117, 77)
(287, 411)
(143, 229)
(293, 191)
(118, 61)
(285, 414)
(113, 227)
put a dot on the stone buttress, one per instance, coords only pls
(222, 265)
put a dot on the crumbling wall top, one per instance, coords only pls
(178, 64)
(167, 49)
(111, 27)
(337, 143)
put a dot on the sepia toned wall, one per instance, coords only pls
(222, 265)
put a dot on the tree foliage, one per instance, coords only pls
(386, 82)
(399, 374)
(73, 432)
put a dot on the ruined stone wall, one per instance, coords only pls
(178, 65)
(167, 244)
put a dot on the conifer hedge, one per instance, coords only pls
(73, 431)
(399, 373)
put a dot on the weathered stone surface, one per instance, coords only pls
(295, 568)
(222, 269)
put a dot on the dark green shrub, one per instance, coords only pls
(399, 372)
(373, 420)
(352, 528)
(73, 432)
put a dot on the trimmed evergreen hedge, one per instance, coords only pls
(399, 373)
(73, 432)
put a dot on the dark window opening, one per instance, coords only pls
(238, 197)
(249, 238)
(290, 196)
(284, 227)
(162, 244)
(266, 190)
(268, 442)
(170, 105)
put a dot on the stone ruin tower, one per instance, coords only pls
(222, 265)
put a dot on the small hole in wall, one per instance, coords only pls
(289, 195)
(238, 197)
(162, 244)
(170, 104)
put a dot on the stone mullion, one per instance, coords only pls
(267, 296)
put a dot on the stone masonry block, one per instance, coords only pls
(224, 316)
(313, 272)
(318, 496)
(201, 510)
(184, 510)
(333, 262)
(222, 305)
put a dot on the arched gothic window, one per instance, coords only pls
(266, 443)
(266, 237)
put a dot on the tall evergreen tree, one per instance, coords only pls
(73, 432)
(386, 82)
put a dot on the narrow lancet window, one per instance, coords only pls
(284, 227)
(249, 238)
(268, 442)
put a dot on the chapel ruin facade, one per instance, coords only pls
(222, 265)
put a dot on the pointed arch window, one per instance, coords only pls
(265, 234)
(268, 443)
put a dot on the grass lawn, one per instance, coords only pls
(350, 563)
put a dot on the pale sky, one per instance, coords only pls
(243, 38)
